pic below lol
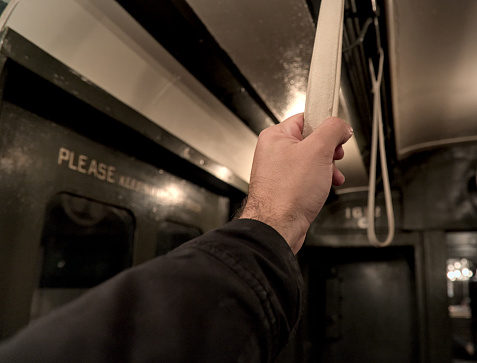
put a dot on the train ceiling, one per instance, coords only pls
(254, 56)
(254, 60)
(433, 52)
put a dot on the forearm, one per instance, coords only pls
(232, 293)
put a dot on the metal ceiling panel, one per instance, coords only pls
(174, 25)
(271, 42)
(433, 50)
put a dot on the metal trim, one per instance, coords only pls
(26, 54)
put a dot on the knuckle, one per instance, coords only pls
(264, 133)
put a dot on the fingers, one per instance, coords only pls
(338, 178)
(339, 153)
(332, 133)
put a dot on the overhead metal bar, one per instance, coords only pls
(134, 134)
(178, 29)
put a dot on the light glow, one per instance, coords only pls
(296, 105)
(459, 270)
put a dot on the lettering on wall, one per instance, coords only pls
(360, 215)
(83, 164)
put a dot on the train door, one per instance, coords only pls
(368, 304)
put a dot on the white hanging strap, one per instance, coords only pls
(378, 132)
(7, 12)
(322, 95)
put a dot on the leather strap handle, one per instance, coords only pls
(322, 96)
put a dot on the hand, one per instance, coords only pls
(291, 177)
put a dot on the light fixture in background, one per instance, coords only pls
(459, 269)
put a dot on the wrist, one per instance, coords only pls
(285, 223)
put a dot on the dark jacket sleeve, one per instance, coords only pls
(231, 295)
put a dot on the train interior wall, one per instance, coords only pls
(85, 197)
